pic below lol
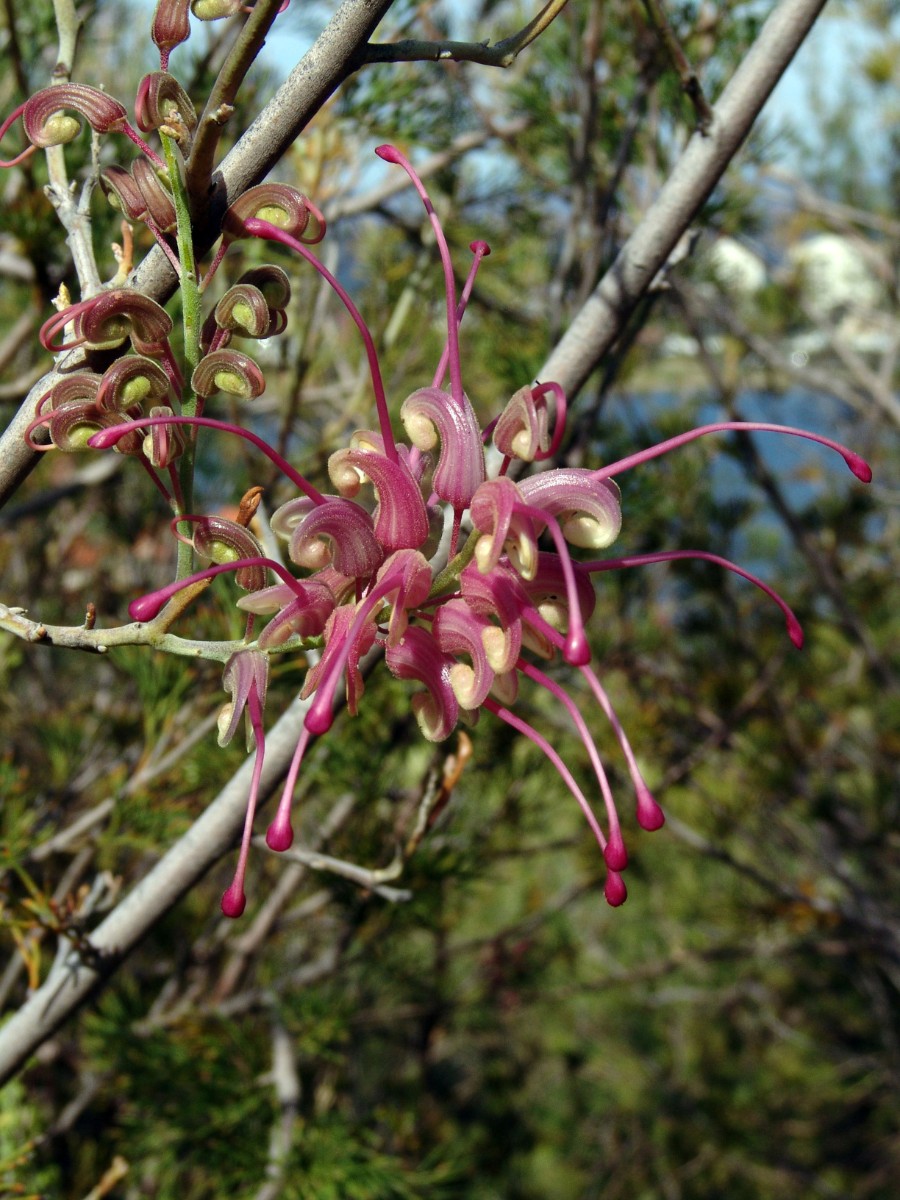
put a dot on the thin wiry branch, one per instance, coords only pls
(99, 641)
(219, 106)
(501, 54)
(286, 1082)
(73, 214)
(603, 317)
(690, 81)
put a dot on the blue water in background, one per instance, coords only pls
(806, 472)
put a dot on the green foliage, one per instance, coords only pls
(501, 1032)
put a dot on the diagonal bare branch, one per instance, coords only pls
(502, 54)
(603, 317)
(74, 978)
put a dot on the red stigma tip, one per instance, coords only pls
(649, 815)
(319, 719)
(577, 652)
(279, 836)
(859, 467)
(614, 890)
(145, 608)
(104, 439)
(233, 902)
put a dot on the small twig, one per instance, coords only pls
(291, 982)
(371, 879)
(116, 1172)
(438, 790)
(68, 23)
(286, 1081)
(17, 389)
(19, 333)
(64, 839)
(67, 884)
(812, 201)
(501, 54)
(690, 82)
(219, 106)
(99, 641)
(14, 49)
(73, 216)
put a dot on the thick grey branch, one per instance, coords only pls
(699, 169)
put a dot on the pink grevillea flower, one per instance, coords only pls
(48, 121)
(466, 625)
(246, 678)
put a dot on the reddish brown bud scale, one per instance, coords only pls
(171, 26)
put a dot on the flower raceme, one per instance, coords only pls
(463, 578)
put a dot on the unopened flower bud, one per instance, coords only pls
(105, 321)
(132, 380)
(228, 371)
(279, 205)
(161, 100)
(243, 310)
(47, 124)
(164, 443)
(122, 192)
(170, 27)
(157, 198)
(218, 540)
(273, 282)
(73, 425)
(215, 10)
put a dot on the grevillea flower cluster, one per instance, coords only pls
(462, 554)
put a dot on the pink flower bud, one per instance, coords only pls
(401, 521)
(48, 124)
(170, 27)
(279, 205)
(133, 380)
(162, 101)
(228, 371)
(429, 414)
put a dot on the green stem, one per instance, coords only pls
(191, 320)
(453, 569)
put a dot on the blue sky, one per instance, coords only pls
(831, 52)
